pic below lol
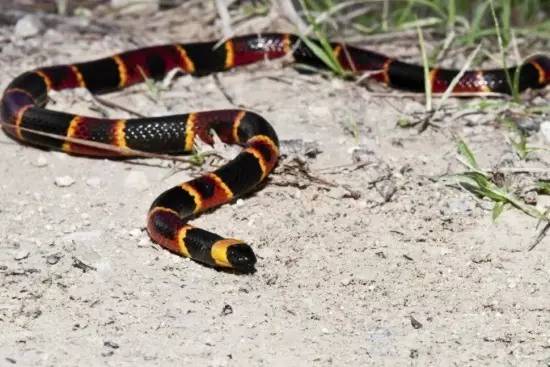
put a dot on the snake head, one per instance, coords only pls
(241, 257)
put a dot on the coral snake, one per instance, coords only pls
(26, 119)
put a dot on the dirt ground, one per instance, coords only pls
(370, 261)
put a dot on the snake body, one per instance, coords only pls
(26, 119)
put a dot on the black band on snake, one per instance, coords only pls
(25, 116)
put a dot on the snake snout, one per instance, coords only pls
(241, 257)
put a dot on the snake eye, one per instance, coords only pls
(241, 257)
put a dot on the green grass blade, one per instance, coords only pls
(475, 27)
(326, 57)
(465, 151)
(543, 187)
(515, 92)
(498, 208)
(433, 6)
(451, 14)
(426, 66)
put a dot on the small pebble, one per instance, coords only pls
(337, 84)
(134, 7)
(480, 258)
(545, 131)
(94, 182)
(227, 310)
(346, 281)
(21, 255)
(41, 161)
(64, 181)
(28, 26)
(53, 259)
(361, 154)
(110, 344)
(415, 323)
(528, 125)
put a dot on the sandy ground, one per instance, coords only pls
(387, 267)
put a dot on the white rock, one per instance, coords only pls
(28, 26)
(322, 113)
(346, 281)
(135, 6)
(136, 180)
(338, 84)
(104, 269)
(21, 255)
(64, 181)
(545, 131)
(94, 182)
(41, 161)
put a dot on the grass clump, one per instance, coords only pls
(470, 19)
(492, 186)
(453, 23)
